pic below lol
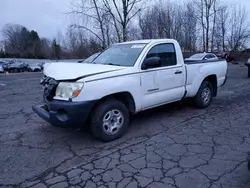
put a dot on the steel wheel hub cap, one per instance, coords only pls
(112, 121)
(206, 95)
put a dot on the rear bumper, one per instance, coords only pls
(65, 113)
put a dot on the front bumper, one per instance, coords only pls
(65, 113)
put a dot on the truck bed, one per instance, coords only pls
(189, 62)
(198, 70)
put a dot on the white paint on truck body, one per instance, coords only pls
(149, 88)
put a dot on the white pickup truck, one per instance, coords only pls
(123, 80)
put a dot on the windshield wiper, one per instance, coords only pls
(113, 64)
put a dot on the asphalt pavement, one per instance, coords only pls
(175, 145)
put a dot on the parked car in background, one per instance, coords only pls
(41, 65)
(248, 66)
(17, 67)
(229, 58)
(6, 64)
(1, 68)
(225, 55)
(34, 68)
(203, 56)
(220, 55)
(91, 58)
(125, 79)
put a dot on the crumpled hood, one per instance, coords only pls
(71, 71)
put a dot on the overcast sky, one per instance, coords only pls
(47, 17)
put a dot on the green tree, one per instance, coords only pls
(35, 44)
(56, 50)
(2, 54)
(20, 42)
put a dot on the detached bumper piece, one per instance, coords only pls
(65, 113)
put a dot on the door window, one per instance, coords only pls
(166, 52)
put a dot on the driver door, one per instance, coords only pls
(163, 84)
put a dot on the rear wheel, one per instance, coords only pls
(109, 120)
(204, 96)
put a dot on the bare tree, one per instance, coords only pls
(92, 16)
(71, 41)
(158, 22)
(105, 19)
(146, 24)
(239, 31)
(207, 16)
(208, 11)
(12, 38)
(45, 48)
(207, 26)
(122, 12)
(222, 24)
(201, 5)
(165, 20)
(213, 26)
(79, 45)
(189, 28)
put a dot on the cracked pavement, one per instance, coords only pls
(171, 146)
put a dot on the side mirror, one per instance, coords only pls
(205, 58)
(151, 62)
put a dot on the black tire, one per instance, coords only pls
(97, 117)
(198, 99)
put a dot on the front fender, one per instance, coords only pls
(96, 90)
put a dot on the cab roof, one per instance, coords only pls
(147, 41)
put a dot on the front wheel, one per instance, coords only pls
(109, 120)
(204, 96)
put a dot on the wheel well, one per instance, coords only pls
(213, 80)
(125, 97)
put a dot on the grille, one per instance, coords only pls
(49, 87)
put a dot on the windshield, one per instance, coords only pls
(197, 56)
(120, 55)
(91, 58)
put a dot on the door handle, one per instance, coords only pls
(178, 72)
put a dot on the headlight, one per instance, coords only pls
(68, 89)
